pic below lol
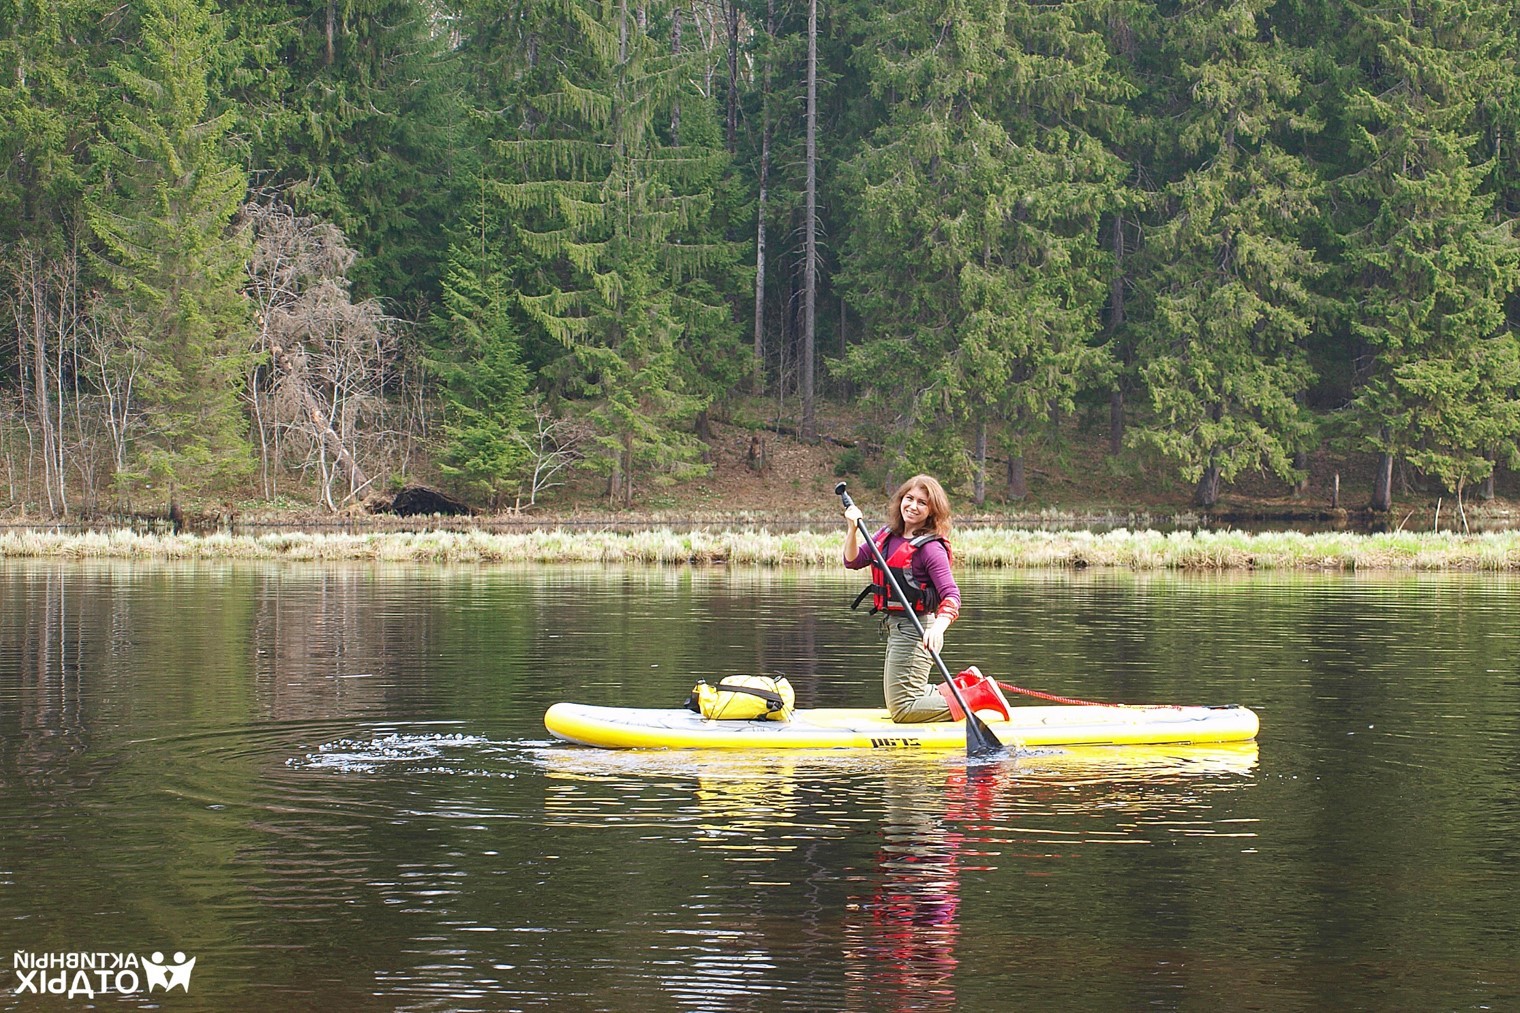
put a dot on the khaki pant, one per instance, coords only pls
(905, 677)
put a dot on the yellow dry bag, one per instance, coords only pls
(740, 697)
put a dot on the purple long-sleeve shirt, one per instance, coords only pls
(930, 565)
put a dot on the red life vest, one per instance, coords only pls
(924, 597)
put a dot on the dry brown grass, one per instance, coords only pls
(976, 548)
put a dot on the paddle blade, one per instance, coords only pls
(981, 743)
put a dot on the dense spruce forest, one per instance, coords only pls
(300, 251)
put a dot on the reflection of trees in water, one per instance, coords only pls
(43, 723)
(323, 646)
(140, 740)
(85, 646)
(768, 635)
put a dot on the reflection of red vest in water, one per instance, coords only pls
(908, 944)
(910, 940)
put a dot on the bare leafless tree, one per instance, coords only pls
(317, 391)
(80, 357)
(42, 299)
(553, 445)
(290, 252)
(112, 359)
(10, 424)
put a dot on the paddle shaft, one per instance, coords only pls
(982, 731)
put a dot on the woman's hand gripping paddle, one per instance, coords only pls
(980, 742)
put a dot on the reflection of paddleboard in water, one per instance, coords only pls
(842, 728)
(913, 840)
(727, 770)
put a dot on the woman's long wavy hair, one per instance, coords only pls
(939, 507)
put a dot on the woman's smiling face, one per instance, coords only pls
(915, 508)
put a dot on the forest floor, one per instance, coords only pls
(762, 473)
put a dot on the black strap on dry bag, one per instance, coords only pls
(773, 701)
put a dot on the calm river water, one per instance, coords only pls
(330, 787)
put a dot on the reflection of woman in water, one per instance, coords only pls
(900, 949)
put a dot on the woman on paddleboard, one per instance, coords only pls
(915, 546)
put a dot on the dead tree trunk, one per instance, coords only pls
(1115, 319)
(1017, 480)
(1382, 484)
(979, 489)
(809, 424)
(675, 49)
(731, 15)
(42, 303)
(1206, 494)
(321, 425)
(757, 377)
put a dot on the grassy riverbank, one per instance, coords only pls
(990, 548)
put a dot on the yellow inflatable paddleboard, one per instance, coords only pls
(840, 728)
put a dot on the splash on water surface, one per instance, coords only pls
(414, 753)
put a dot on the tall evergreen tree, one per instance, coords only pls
(617, 212)
(1501, 119)
(507, 57)
(1228, 299)
(162, 205)
(1429, 268)
(485, 382)
(1131, 32)
(352, 108)
(49, 99)
(973, 261)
